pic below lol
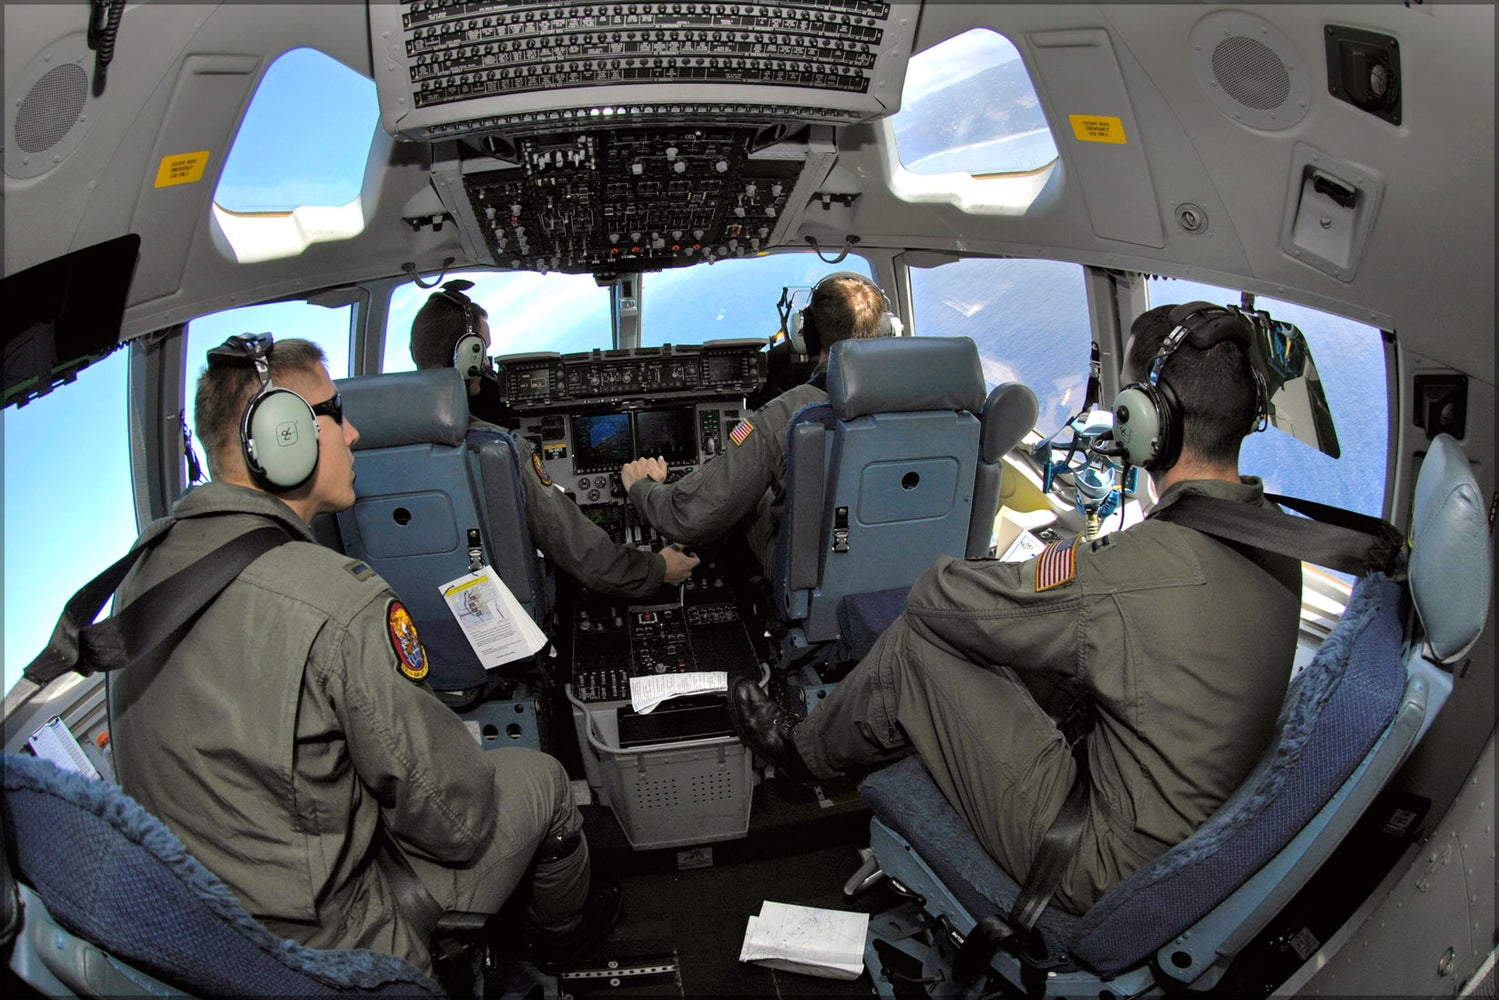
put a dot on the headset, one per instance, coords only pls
(470, 352)
(278, 432)
(1148, 414)
(801, 332)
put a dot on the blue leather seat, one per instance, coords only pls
(424, 481)
(115, 906)
(1348, 721)
(879, 480)
(1009, 414)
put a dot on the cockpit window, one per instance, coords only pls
(969, 106)
(47, 556)
(304, 139)
(527, 311)
(1350, 361)
(1029, 319)
(295, 170)
(730, 298)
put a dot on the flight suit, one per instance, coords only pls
(748, 478)
(291, 722)
(580, 548)
(574, 544)
(1183, 642)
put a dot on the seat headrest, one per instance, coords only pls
(899, 374)
(429, 407)
(1451, 564)
(1009, 415)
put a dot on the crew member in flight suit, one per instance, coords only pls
(288, 738)
(750, 476)
(563, 533)
(1183, 643)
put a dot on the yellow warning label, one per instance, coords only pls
(183, 168)
(1097, 128)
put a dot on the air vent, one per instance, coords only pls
(1250, 70)
(1363, 68)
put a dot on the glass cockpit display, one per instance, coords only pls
(601, 442)
(667, 433)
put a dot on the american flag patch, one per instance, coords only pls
(741, 431)
(1055, 565)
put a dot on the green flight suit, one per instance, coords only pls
(748, 478)
(574, 544)
(286, 727)
(1184, 643)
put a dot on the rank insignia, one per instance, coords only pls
(359, 571)
(541, 470)
(743, 430)
(1056, 565)
(411, 658)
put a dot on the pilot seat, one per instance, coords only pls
(1349, 719)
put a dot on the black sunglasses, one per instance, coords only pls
(330, 408)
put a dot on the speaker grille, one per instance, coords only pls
(1251, 73)
(51, 108)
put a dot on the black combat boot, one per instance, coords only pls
(766, 728)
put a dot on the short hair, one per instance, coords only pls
(224, 391)
(846, 309)
(438, 326)
(1216, 387)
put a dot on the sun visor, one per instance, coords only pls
(63, 315)
(1298, 404)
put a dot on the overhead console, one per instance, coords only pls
(446, 69)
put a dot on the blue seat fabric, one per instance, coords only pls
(1334, 714)
(114, 875)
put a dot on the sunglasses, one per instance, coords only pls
(330, 408)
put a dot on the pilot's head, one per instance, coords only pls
(441, 322)
(1215, 389)
(846, 309)
(225, 390)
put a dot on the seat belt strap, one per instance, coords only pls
(1350, 543)
(1053, 855)
(157, 614)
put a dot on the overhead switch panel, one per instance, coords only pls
(446, 69)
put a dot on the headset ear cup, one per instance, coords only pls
(280, 439)
(1137, 424)
(468, 355)
(801, 333)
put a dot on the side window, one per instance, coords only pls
(527, 312)
(1029, 319)
(968, 105)
(1350, 361)
(328, 328)
(729, 298)
(69, 511)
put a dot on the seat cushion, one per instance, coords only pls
(114, 875)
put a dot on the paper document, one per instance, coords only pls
(806, 939)
(493, 622)
(649, 691)
(55, 742)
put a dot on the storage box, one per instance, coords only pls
(667, 794)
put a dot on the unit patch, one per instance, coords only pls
(743, 430)
(541, 470)
(359, 571)
(1056, 565)
(411, 658)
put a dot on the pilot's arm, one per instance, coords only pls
(411, 752)
(707, 502)
(580, 548)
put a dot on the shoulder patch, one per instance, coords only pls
(541, 469)
(740, 432)
(1056, 564)
(359, 571)
(411, 658)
